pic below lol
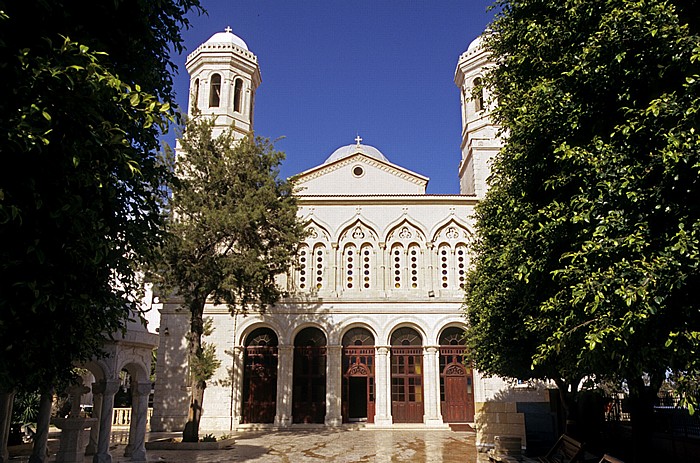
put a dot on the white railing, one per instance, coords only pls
(122, 416)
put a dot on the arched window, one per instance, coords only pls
(194, 98)
(366, 257)
(237, 92)
(319, 255)
(460, 264)
(479, 97)
(215, 91)
(350, 258)
(413, 267)
(444, 259)
(305, 266)
(397, 257)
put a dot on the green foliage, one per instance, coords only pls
(81, 184)
(233, 227)
(589, 237)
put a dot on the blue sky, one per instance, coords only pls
(334, 69)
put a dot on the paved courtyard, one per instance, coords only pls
(324, 445)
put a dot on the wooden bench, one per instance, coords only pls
(610, 459)
(565, 450)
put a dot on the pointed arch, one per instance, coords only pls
(440, 229)
(347, 229)
(394, 229)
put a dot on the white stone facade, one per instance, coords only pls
(380, 276)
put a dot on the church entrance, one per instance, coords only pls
(456, 379)
(309, 385)
(260, 377)
(406, 376)
(358, 376)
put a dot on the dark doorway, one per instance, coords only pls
(309, 386)
(260, 377)
(357, 389)
(358, 376)
(406, 376)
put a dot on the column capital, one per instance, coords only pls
(382, 350)
(431, 349)
(105, 386)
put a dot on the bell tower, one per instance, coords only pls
(480, 141)
(224, 76)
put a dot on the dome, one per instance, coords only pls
(227, 37)
(349, 150)
(476, 43)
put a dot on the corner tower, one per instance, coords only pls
(480, 139)
(224, 76)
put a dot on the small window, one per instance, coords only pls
(215, 91)
(358, 171)
(479, 97)
(237, 90)
(194, 98)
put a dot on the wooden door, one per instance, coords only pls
(309, 387)
(260, 385)
(358, 384)
(456, 388)
(407, 384)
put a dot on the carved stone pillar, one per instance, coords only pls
(334, 377)
(382, 417)
(237, 386)
(107, 389)
(431, 379)
(285, 360)
(136, 449)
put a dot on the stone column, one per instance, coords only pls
(6, 402)
(285, 376)
(381, 279)
(94, 431)
(430, 267)
(334, 283)
(237, 387)
(431, 381)
(382, 379)
(107, 389)
(136, 449)
(334, 375)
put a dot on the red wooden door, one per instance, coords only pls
(407, 384)
(260, 385)
(456, 388)
(309, 387)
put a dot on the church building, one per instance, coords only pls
(371, 329)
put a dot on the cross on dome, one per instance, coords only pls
(358, 139)
(228, 29)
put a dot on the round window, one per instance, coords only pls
(358, 171)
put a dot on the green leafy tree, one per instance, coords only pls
(588, 240)
(82, 108)
(233, 228)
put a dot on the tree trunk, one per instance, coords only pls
(197, 386)
(568, 394)
(642, 401)
(40, 451)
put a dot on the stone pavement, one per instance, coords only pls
(322, 445)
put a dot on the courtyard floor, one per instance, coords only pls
(321, 445)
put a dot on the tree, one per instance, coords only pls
(81, 187)
(588, 242)
(233, 228)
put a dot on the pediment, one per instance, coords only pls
(359, 175)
